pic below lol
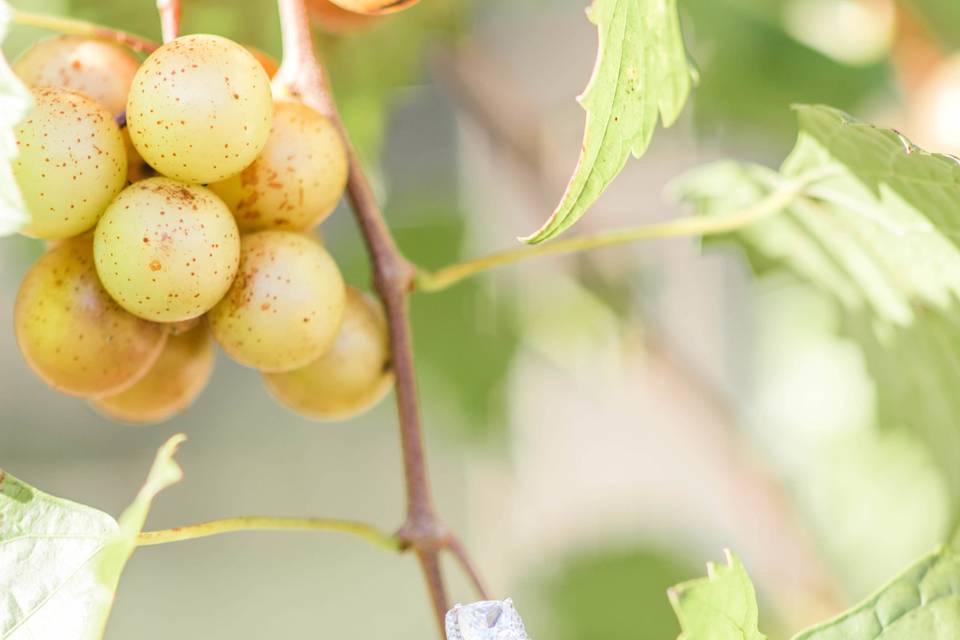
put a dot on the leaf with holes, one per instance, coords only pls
(60, 561)
(15, 102)
(641, 75)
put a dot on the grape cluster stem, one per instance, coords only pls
(169, 11)
(76, 27)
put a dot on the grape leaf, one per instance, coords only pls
(641, 74)
(881, 235)
(880, 232)
(722, 606)
(15, 102)
(60, 562)
(922, 602)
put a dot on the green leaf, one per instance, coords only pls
(15, 101)
(119, 547)
(881, 235)
(922, 603)
(60, 561)
(722, 606)
(880, 232)
(641, 74)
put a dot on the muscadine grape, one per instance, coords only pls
(95, 68)
(73, 334)
(170, 386)
(267, 61)
(350, 378)
(285, 306)
(184, 326)
(337, 20)
(373, 7)
(137, 168)
(70, 163)
(200, 108)
(297, 179)
(165, 250)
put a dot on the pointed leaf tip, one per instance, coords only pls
(641, 76)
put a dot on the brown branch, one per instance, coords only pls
(169, 19)
(460, 554)
(423, 533)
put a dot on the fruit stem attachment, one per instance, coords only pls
(697, 226)
(169, 11)
(302, 75)
(72, 26)
(268, 523)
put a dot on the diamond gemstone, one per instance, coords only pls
(487, 620)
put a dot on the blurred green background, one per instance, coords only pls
(599, 426)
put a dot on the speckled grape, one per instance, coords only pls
(350, 378)
(70, 163)
(200, 108)
(285, 306)
(96, 68)
(297, 179)
(171, 385)
(165, 250)
(73, 334)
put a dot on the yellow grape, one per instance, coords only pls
(337, 20)
(285, 307)
(200, 108)
(184, 326)
(170, 386)
(374, 7)
(96, 68)
(137, 168)
(350, 378)
(70, 163)
(167, 251)
(297, 179)
(73, 334)
(267, 61)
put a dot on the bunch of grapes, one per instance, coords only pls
(186, 224)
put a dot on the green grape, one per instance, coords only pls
(200, 108)
(96, 68)
(172, 384)
(285, 307)
(166, 251)
(350, 378)
(70, 163)
(297, 179)
(73, 334)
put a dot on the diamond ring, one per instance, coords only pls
(487, 620)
